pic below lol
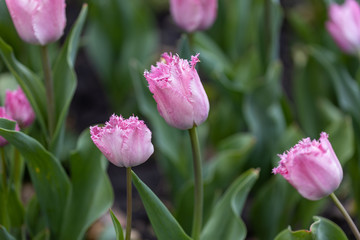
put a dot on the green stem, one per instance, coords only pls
(128, 203)
(49, 90)
(346, 216)
(17, 170)
(3, 163)
(198, 185)
(267, 24)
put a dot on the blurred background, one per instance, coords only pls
(272, 73)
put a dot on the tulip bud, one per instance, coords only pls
(3, 114)
(38, 21)
(344, 25)
(180, 96)
(18, 107)
(124, 142)
(192, 15)
(311, 167)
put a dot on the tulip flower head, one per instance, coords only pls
(3, 114)
(18, 107)
(311, 167)
(177, 89)
(38, 21)
(124, 142)
(344, 25)
(193, 15)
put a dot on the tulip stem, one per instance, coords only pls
(198, 185)
(128, 203)
(268, 26)
(3, 166)
(346, 216)
(17, 170)
(49, 89)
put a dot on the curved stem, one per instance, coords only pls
(49, 90)
(346, 216)
(128, 203)
(198, 185)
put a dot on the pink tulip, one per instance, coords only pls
(311, 167)
(124, 142)
(344, 25)
(3, 114)
(193, 15)
(180, 96)
(38, 21)
(18, 107)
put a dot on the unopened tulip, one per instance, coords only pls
(192, 15)
(38, 21)
(3, 114)
(18, 107)
(344, 25)
(124, 142)
(177, 89)
(311, 167)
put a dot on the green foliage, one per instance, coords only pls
(117, 226)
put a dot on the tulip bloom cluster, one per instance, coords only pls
(344, 25)
(124, 142)
(311, 167)
(180, 96)
(193, 15)
(38, 21)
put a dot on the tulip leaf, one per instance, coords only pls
(163, 223)
(92, 193)
(117, 226)
(4, 235)
(64, 75)
(321, 229)
(224, 222)
(28, 81)
(51, 183)
(43, 235)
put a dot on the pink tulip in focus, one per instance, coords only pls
(18, 107)
(344, 25)
(38, 21)
(311, 167)
(3, 114)
(124, 142)
(192, 15)
(180, 96)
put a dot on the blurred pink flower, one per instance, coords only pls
(3, 114)
(18, 107)
(180, 96)
(311, 167)
(124, 142)
(344, 25)
(192, 15)
(38, 21)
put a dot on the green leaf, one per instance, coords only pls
(163, 223)
(321, 229)
(288, 234)
(51, 183)
(117, 226)
(92, 193)
(4, 235)
(224, 222)
(34, 220)
(29, 82)
(43, 235)
(324, 229)
(64, 75)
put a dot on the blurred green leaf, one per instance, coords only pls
(51, 183)
(43, 235)
(65, 77)
(34, 220)
(4, 235)
(117, 226)
(29, 82)
(224, 222)
(288, 234)
(92, 193)
(163, 223)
